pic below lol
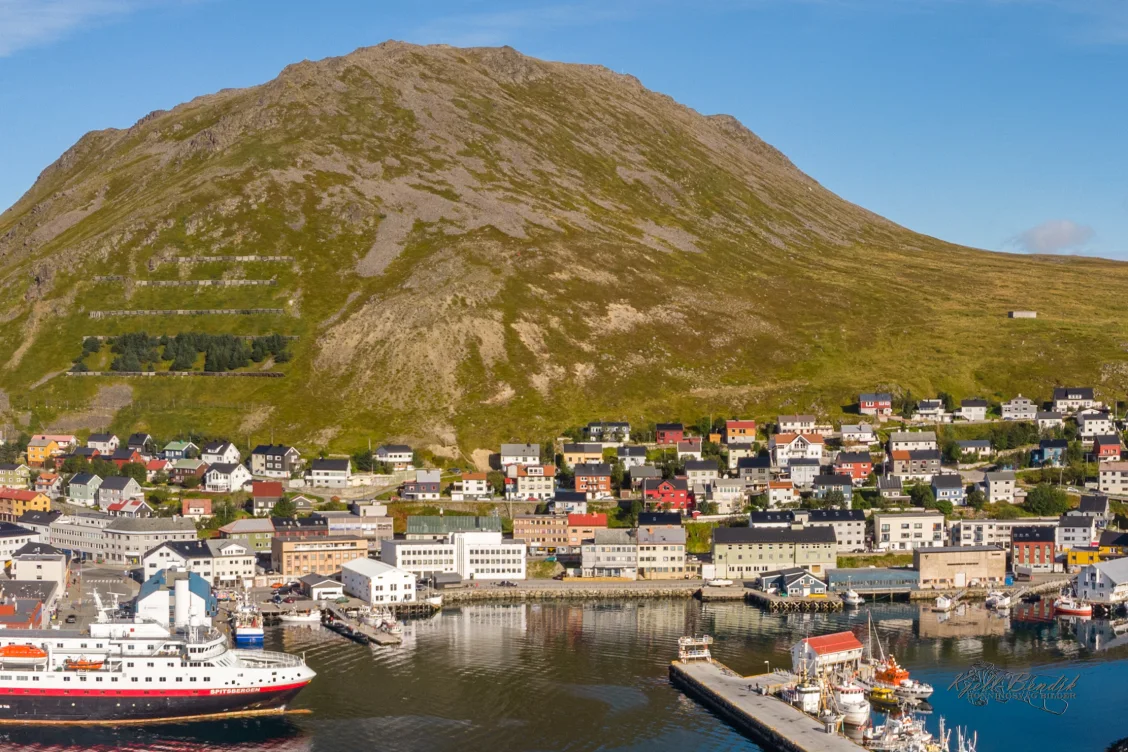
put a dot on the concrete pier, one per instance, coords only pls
(767, 719)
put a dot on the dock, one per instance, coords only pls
(773, 603)
(748, 704)
(375, 635)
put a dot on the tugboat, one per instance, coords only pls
(1067, 605)
(891, 676)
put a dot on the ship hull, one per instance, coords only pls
(136, 706)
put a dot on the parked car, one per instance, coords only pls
(71, 619)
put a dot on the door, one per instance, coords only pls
(961, 579)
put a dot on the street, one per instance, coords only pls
(78, 599)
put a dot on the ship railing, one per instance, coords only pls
(269, 658)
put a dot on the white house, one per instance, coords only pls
(226, 477)
(1090, 425)
(973, 409)
(1019, 408)
(631, 456)
(1105, 583)
(781, 492)
(223, 562)
(220, 453)
(737, 452)
(519, 454)
(801, 424)
(1112, 478)
(1049, 420)
(862, 433)
(398, 456)
(471, 555)
(999, 486)
(376, 582)
(785, 447)
(105, 443)
(1072, 398)
(912, 441)
(329, 473)
(932, 411)
(471, 487)
(838, 652)
(1076, 531)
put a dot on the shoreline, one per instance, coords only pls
(586, 591)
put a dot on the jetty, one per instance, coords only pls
(378, 636)
(774, 603)
(749, 704)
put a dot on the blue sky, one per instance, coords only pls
(993, 123)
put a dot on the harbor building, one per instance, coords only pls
(745, 552)
(440, 526)
(1105, 583)
(222, 563)
(612, 553)
(376, 582)
(294, 557)
(837, 652)
(960, 566)
(477, 555)
(661, 553)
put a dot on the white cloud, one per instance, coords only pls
(1054, 236)
(30, 23)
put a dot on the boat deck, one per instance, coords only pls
(762, 716)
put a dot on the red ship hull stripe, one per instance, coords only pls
(211, 692)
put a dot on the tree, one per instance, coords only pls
(977, 499)
(284, 507)
(709, 508)
(91, 345)
(223, 513)
(362, 461)
(136, 471)
(758, 502)
(944, 506)
(834, 498)
(1046, 501)
(191, 481)
(497, 480)
(859, 501)
(922, 496)
(637, 508)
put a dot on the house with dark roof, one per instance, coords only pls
(118, 488)
(1070, 399)
(972, 409)
(220, 452)
(669, 494)
(949, 487)
(141, 442)
(826, 484)
(668, 434)
(396, 456)
(329, 473)
(1034, 547)
(1050, 453)
(105, 443)
(275, 461)
(222, 562)
(795, 582)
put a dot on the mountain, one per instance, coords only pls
(479, 246)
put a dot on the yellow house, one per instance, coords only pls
(1113, 543)
(40, 449)
(1081, 557)
(15, 501)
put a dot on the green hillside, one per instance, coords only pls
(489, 247)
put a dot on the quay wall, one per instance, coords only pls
(496, 594)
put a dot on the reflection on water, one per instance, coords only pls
(588, 676)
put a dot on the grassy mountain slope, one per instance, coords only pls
(488, 247)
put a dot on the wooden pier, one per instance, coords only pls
(747, 702)
(375, 635)
(773, 603)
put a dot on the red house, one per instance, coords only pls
(125, 456)
(1106, 448)
(594, 479)
(1033, 547)
(875, 404)
(857, 465)
(668, 434)
(672, 494)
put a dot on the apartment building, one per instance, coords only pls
(661, 552)
(906, 531)
(742, 553)
(296, 557)
(471, 555)
(223, 563)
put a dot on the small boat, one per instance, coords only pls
(880, 695)
(851, 597)
(435, 600)
(720, 583)
(247, 628)
(807, 696)
(1067, 605)
(943, 604)
(300, 617)
(910, 689)
(997, 599)
(22, 655)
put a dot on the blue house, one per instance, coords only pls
(1050, 453)
(949, 487)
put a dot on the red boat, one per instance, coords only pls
(1067, 605)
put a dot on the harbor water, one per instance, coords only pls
(594, 676)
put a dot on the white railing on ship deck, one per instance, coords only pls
(269, 657)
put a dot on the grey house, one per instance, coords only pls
(118, 488)
(83, 489)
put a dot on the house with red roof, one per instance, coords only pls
(1106, 448)
(740, 431)
(840, 651)
(51, 484)
(152, 467)
(264, 495)
(129, 508)
(582, 527)
(196, 508)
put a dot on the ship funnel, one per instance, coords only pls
(183, 601)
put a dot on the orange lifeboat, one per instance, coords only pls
(25, 655)
(890, 672)
(83, 664)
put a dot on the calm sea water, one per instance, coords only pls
(589, 676)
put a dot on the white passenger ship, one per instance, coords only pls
(135, 670)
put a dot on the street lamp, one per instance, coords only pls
(768, 667)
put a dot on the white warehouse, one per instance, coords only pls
(376, 582)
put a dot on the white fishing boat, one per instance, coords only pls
(851, 597)
(807, 696)
(997, 599)
(850, 699)
(435, 600)
(911, 689)
(301, 617)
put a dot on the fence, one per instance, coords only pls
(203, 282)
(250, 374)
(104, 337)
(187, 312)
(197, 259)
(108, 278)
